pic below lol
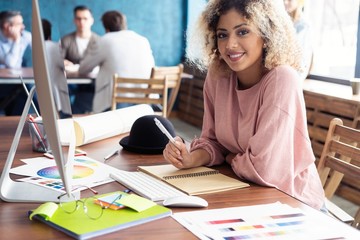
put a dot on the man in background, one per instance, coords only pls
(14, 42)
(75, 46)
(57, 72)
(120, 51)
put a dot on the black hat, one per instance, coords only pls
(145, 137)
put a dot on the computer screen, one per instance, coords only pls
(46, 100)
(22, 191)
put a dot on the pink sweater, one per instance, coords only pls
(266, 127)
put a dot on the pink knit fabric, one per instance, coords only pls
(266, 127)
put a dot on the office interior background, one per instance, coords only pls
(335, 26)
(163, 22)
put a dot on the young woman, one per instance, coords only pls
(254, 111)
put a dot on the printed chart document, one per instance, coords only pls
(265, 222)
(193, 181)
(78, 225)
(43, 171)
(99, 126)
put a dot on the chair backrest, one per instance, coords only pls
(173, 74)
(340, 156)
(136, 90)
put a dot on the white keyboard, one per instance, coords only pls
(146, 186)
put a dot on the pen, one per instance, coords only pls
(37, 132)
(164, 130)
(111, 155)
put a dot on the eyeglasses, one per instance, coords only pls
(91, 210)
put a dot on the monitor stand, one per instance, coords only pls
(13, 191)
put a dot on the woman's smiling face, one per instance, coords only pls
(239, 42)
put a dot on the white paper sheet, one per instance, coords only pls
(264, 222)
(43, 171)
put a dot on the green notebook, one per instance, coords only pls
(79, 226)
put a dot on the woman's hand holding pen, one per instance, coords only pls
(175, 151)
(177, 154)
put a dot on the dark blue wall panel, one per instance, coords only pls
(163, 22)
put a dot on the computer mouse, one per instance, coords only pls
(185, 201)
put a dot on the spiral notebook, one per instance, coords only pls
(193, 181)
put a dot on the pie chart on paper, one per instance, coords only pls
(53, 173)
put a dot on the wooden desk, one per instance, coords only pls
(14, 223)
(11, 76)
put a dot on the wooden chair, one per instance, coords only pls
(340, 157)
(173, 74)
(356, 222)
(136, 90)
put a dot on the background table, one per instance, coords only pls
(12, 76)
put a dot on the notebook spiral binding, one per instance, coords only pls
(189, 175)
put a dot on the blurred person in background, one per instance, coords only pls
(57, 72)
(295, 9)
(15, 41)
(75, 46)
(120, 51)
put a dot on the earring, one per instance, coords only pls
(264, 46)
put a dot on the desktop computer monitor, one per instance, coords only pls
(45, 98)
(18, 191)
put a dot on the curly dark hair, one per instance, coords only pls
(269, 16)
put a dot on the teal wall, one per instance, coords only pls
(163, 22)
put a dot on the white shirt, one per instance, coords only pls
(82, 44)
(57, 75)
(124, 52)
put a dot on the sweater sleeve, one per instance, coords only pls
(280, 150)
(208, 140)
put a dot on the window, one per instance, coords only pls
(334, 26)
